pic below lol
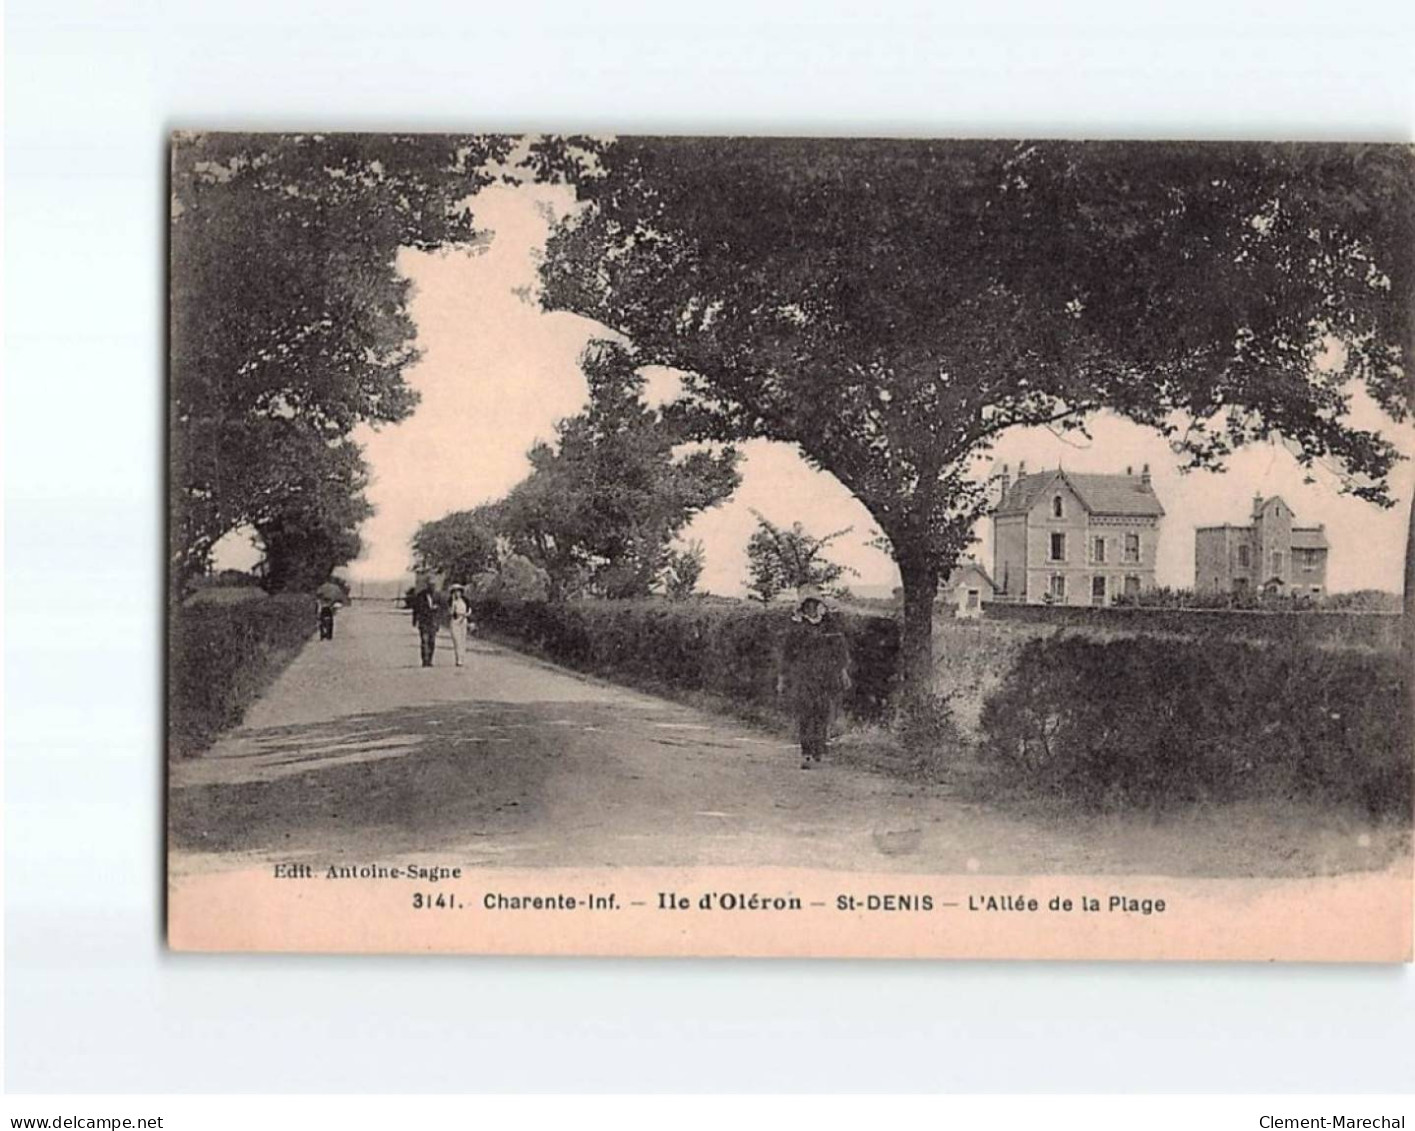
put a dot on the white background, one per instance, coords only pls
(93, 1001)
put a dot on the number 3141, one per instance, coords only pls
(427, 901)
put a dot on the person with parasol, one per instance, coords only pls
(329, 598)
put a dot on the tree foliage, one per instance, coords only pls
(459, 546)
(289, 321)
(682, 570)
(781, 559)
(316, 528)
(892, 307)
(601, 507)
(513, 578)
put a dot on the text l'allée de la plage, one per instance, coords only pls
(442, 887)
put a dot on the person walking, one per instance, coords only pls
(815, 671)
(459, 612)
(329, 598)
(427, 612)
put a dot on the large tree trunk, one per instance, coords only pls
(916, 657)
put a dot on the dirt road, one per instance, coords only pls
(358, 751)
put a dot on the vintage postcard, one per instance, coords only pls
(790, 547)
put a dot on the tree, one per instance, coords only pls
(289, 321)
(459, 546)
(779, 559)
(601, 508)
(514, 578)
(316, 528)
(892, 307)
(682, 570)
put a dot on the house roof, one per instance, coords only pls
(1303, 537)
(1129, 495)
(961, 572)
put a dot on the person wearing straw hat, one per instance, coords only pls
(460, 614)
(815, 671)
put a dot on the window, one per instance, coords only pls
(973, 595)
(1132, 547)
(1307, 559)
(1057, 592)
(1058, 508)
(1132, 586)
(1277, 563)
(1098, 589)
(1058, 547)
(1098, 550)
(1243, 557)
(1240, 585)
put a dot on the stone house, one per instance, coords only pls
(968, 588)
(1271, 554)
(1065, 538)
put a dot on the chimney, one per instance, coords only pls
(1021, 469)
(1129, 469)
(1006, 481)
(1145, 475)
(1257, 504)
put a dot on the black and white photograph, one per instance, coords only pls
(790, 545)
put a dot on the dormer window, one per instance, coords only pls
(1058, 508)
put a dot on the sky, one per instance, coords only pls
(496, 373)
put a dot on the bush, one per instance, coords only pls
(730, 650)
(1289, 626)
(1366, 601)
(1146, 723)
(220, 657)
(1164, 597)
(226, 579)
(926, 724)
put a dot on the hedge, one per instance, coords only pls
(220, 657)
(726, 650)
(1150, 723)
(1347, 628)
(1101, 724)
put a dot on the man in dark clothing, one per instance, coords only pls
(815, 672)
(427, 612)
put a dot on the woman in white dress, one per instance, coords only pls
(460, 612)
